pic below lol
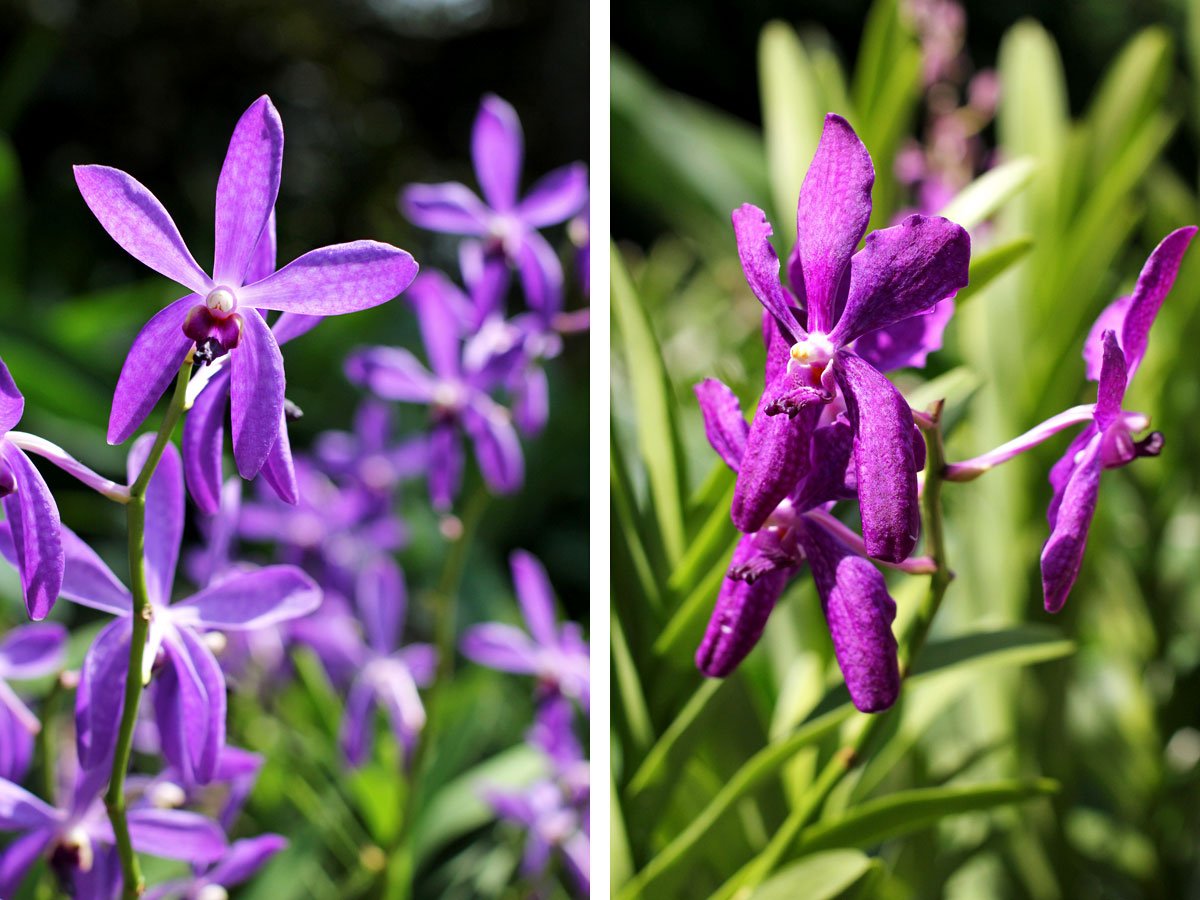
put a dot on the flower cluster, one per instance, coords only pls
(330, 517)
(830, 428)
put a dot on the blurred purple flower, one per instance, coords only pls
(387, 673)
(901, 272)
(369, 456)
(30, 651)
(221, 313)
(241, 862)
(1114, 350)
(456, 390)
(190, 688)
(556, 656)
(507, 226)
(76, 837)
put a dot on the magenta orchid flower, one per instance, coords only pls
(221, 313)
(901, 272)
(456, 388)
(507, 226)
(189, 697)
(1114, 350)
(556, 655)
(76, 837)
(854, 596)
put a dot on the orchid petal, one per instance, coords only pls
(903, 271)
(262, 261)
(541, 275)
(1153, 284)
(250, 600)
(445, 465)
(536, 597)
(176, 834)
(279, 471)
(381, 598)
(35, 524)
(32, 650)
(555, 197)
(22, 811)
(431, 294)
(1062, 556)
(12, 403)
(740, 615)
(1111, 319)
(906, 343)
(497, 447)
(531, 401)
(163, 517)
(497, 149)
(188, 709)
(503, 647)
(19, 857)
(761, 267)
(290, 326)
(1114, 377)
(139, 223)
(392, 374)
(256, 395)
(724, 424)
(88, 581)
(153, 362)
(203, 442)
(341, 278)
(449, 208)
(244, 858)
(775, 459)
(246, 190)
(101, 696)
(885, 466)
(831, 218)
(860, 612)
(356, 721)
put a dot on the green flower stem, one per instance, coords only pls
(750, 876)
(403, 865)
(114, 798)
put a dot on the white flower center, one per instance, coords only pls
(212, 892)
(815, 351)
(221, 301)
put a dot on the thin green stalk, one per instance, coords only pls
(402, 866)
(114, 799)
(858, 750)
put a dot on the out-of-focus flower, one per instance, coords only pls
(26, 652)
(556, 655)
(240, 863)
(507, 226)
(369, 456)
(221, 314)
(456, 388)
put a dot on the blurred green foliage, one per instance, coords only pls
(1101, 700)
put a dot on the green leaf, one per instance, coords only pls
(980, 199)
(793, 112)
(907, 811)
(632, 699)
(710, 543)
(620, 856)
(821, 876)
(993, 262)
(657, 431)
(655, 766)
(1023, 645)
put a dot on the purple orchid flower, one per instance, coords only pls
(77, 839)
(208, 399)
(27, 652)
(388, 674)
(553, 810)
(369, 456)
(240, 863)
(237, 771)
(854, 596)
(507, 226)
(190, 688)
(221, 313)
(556, 656)
(30, 510)
(901, 272)
(1114, 350)
(456, 390)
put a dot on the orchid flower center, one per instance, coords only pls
(212, 892)
(8, 482)
(815, 352)
(448, 397)
(222, 301)
(73, 852)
